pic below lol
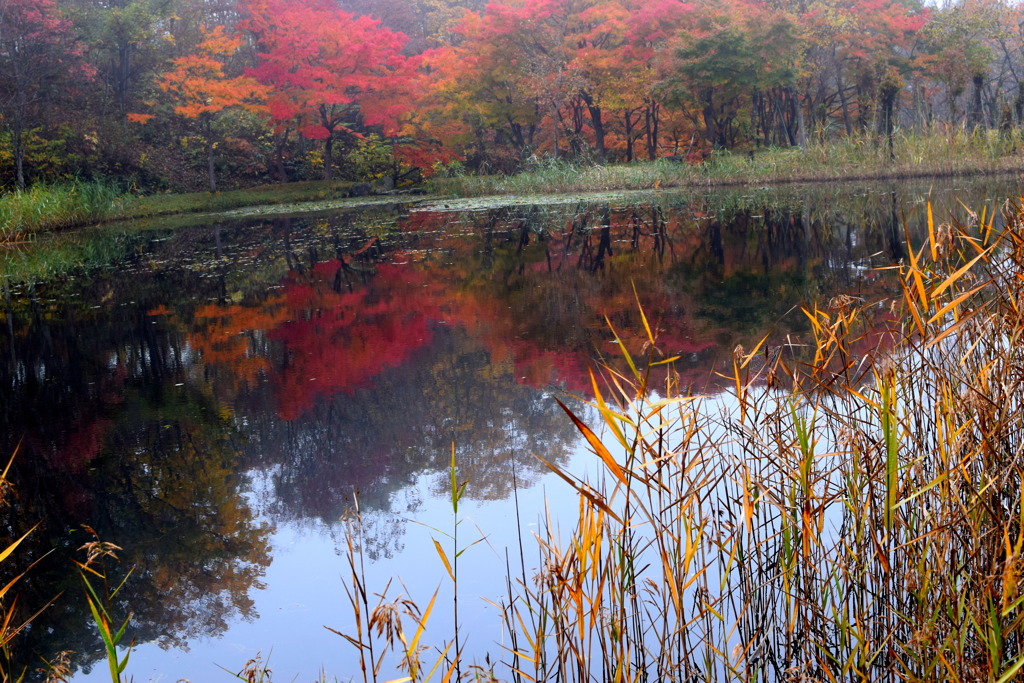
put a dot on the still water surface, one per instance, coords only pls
(213, 401)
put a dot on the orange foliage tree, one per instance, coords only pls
(202, 91)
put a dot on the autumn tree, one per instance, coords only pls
(651, 28)
(487, 79)
(324, 66)
(854, 52)
(734, 51)
(39, 55)
(971, 56)
(203, 92)
(128, 41)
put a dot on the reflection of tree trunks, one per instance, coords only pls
(896, 250)
(636, 229)
(659, 230)
(574, 227)
(524, 237)
(10, 323)
(604, 245)
(294, 263)
(805, 234)
(342, 272)
(151, 350)
(222, 266)
(715, 243)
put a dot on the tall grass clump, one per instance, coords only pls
(12, 620)
(837, 515)
(944, 151)
(862, 524)
(53, 207)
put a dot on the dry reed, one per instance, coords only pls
(863, 523)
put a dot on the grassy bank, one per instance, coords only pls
(956, 153)
(55, 207)
(51, 208)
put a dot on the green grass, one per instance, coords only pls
(951, 153)
(285, 193)
(48, 208)
(54, 207)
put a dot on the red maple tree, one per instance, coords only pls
(326, 67)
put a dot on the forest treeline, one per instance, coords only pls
(183, 94)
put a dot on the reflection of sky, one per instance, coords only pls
(305, 589)
(305, 583)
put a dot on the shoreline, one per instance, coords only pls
(555, 179)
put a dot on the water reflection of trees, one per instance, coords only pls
(335, 354)
(108, 440)
(378, 439)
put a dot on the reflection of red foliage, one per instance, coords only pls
(568, 369)
(82, 446)
(339, 342)
(70, 451)
(539, 307)
(328, 341)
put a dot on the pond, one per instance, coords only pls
(215, 399)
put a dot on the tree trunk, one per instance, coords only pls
(123, 78)
(889, 91)
(801, 126)
(211, 168)
(847, 124)
(280, 140)
(555, 122)
(328, 155)
(977, 115)
(19, 161)
(629, 135)
(651, 118)
(598, 125)
(17, 126)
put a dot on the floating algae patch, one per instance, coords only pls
(505, 201)
(52, 255)
(310, 207)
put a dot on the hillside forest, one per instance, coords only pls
(176, 95)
